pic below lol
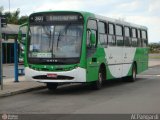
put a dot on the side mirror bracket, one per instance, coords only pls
(20, 33)
(20, 36)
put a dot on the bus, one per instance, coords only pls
(82, 47)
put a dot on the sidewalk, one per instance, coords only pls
(12, 88)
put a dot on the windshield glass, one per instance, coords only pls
(55, 41)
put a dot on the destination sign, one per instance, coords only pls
(62, 18)
(55, 18)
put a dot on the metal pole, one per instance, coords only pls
(9, 6)
(16, 61)
(1, 66)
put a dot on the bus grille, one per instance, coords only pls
(59, 77)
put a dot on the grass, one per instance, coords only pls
(154, 56)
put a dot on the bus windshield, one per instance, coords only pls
(55, 41)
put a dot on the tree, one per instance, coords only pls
(22, 19)
(13, 17)
(154, 47)
(1, 10)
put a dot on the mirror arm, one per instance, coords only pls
(20, 33)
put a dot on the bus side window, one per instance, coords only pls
(134, 37)
(111, 34)
(127, 39)
(91, 27)
(119, 35)
(102, 34)
(144, 38)
(139, 38)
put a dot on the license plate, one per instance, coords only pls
(50, 75)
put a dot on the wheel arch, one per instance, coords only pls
(135, 63)
(103, 68)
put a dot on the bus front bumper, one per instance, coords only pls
(76, 75)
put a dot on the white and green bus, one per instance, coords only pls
(82, 47)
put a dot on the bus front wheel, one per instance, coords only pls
(98, 84)
(52, 86)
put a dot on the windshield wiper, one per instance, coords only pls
(60, 32)
(58, 39)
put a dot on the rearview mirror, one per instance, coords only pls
(92, 38)
(20, 36)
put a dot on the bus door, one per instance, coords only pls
(92, 65)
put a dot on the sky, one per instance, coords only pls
(142, 12)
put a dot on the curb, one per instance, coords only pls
(21, 91)
(153, 66)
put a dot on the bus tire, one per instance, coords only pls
(52, 86)
(132, 78)
(98, 84)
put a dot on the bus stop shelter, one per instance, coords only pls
(10, 47)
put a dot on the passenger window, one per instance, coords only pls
(119, 30)
(101, 27)
(111, 29)
(138, 33)
(139, 38)
(119, 35)
(144, 35)
(111, 35)
(134, 33)
(134, 37)
(144, 38)
(92, 24)
(127, 39)
(145, 42)
(102, 33)
(126, 32)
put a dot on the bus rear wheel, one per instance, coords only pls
(52, 86)
(133, 77)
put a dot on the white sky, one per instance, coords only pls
(143, 12)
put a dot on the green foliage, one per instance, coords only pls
(22, 20)
(13, 17)
(154, 47)
(1, 10)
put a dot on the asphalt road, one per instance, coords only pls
(142, 96)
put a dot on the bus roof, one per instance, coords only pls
(100, 17)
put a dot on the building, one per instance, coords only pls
(9, 35)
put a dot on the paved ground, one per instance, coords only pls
(8, 70)
(142, 96)
(154, 62)
(12, 88)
